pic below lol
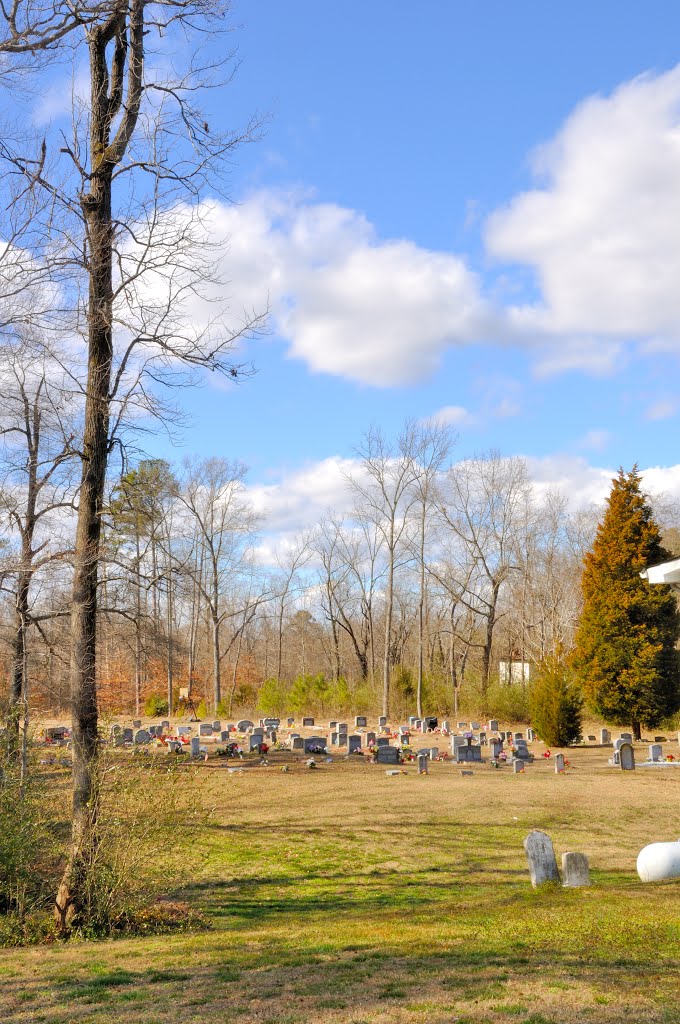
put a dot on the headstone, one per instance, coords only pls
(205, 729)
(627, 757)
(290, 722)
(591, 739)
(244, 725)
(195, 746)
(271, 723)
(254, 743)
(559, 763)
(475, 726)
(458, 741)
(335, 736)
(575, 870)
(655, 752)
(217, 727)
(531, 735)
(403, 728)
(332, 726)
(518, 767)
(414, 718)
(618, 744)
(174, 746)
(493, 725)
(605, 737)
(272, 735)
(522, 751)
(422, 764)
(165, 725)
(315, 745)
(464, 771)
(462, 725)
(466, 753)
(541, 856)
(446, 727)
(496, 747)
(360, 722)
(423, 726)
(370, 739)
(137, 724)
(142, 736)
(627, 736)
(297, 743)
(342, 738)
(383, 741)
(519, 736)
(387, 755)
(405, 739)
(434, 753)
(342, 727)
(128, 736)
(307, 723)
(382, 722)
(354, 744)
(482, 738)
(417, 724)
(224, 736)
(154, 730)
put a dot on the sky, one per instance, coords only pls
(466, 212)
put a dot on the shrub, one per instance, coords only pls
(155, 705)
(272, 698)
(556, 704)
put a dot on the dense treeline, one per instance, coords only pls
(440, 571)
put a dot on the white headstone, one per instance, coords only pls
(541, 856)
(559, 763)
(575, 870)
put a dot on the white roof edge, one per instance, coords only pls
(666, 572)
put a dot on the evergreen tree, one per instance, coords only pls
(625, 643)
(555, 704)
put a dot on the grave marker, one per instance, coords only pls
(627, 757)
(541, 856)
(575, 870)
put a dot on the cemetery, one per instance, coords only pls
(468, 867)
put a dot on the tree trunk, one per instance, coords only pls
(96, 206)
(217, 682)
(636, 730)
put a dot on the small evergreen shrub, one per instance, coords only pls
(556, 704)
(155, 705)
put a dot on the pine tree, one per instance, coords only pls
(555, 704)
(625, 643)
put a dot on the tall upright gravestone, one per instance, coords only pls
(541, 856)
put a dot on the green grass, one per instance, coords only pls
(343, 896)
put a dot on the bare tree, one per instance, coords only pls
(384, 494)
(37, 429)
(213, 495)
(139, 149)
(485, 504)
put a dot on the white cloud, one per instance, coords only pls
(378, 312)
(301, 498)
(601, 232)
(452, 415)
(662, 409)
(595, 440)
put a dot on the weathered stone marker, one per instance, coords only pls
(518, 767)
(575, 870)
(541, 856)
(422, 764)
(627, 757)
(559, 763)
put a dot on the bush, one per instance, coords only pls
(556, 704)
(155, 705)
(272, 698)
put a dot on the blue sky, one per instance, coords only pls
(462, 210)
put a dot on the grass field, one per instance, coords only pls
(341, 895)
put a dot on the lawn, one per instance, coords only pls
(342, 895)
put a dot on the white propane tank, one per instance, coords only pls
(658, 861)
